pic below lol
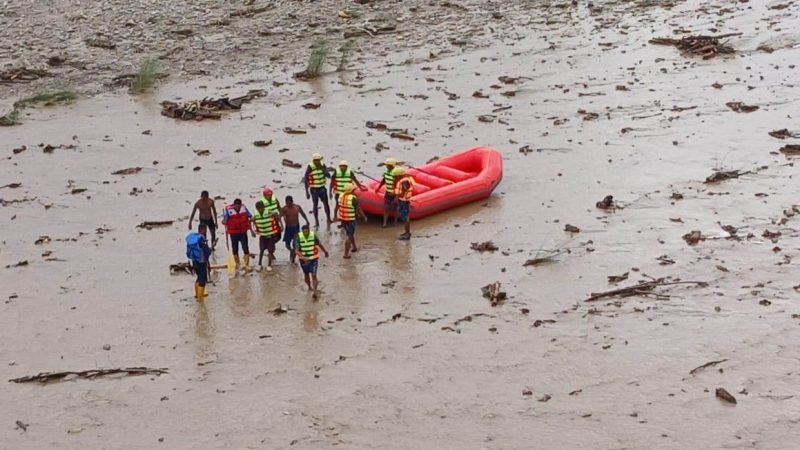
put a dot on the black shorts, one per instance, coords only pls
(268, 242)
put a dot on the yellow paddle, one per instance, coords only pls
(231, 263)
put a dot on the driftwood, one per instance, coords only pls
(207, 108)
(46, 377)
(639, 289)
(706, 365)
(705, 46)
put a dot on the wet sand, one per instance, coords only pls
(339, 371)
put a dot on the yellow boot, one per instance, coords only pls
(196, 291)
(201, 293)
(246, 261)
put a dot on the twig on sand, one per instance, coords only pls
(639, 289)
(46, 377)
(706, 365)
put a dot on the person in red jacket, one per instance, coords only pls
(237, 223)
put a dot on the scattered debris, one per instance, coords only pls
(22, 75)
(614, 279)
(207, 108)
(290, 163)
(606, 203)
(725, 396)
(128, 171)
(722, 175)
(19, 264)
(46, 377)
(487, 246)
(791, 150)
(262, 143)
(665, 260)
(182, 267)
(493, 293)
(155, 224)
(290, 130)
(279, 310)
(705, 46)
(741, 107)
(539, 322)
(693, 237)
(784, 134)
(311, 105)
(402, 135)
(706, 366)
(571, 228)
(21, 426)
(641, 289)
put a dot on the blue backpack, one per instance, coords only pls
(194, 247)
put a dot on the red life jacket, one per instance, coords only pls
(238, 222)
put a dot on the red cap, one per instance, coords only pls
(267, 193)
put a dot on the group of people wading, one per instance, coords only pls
(272, 221)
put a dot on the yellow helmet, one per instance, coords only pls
(398, 171)
(350, 188)
(390, 162)
(343, 163)
(316, 157)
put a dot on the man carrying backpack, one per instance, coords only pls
(198, 252)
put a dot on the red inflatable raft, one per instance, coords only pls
(453, 181)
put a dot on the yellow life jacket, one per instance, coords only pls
(316, 178)
(347, 207)
(308, 246)
(343, 178)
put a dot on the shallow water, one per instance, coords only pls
(339, 371)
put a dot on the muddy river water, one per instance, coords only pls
(384, 358)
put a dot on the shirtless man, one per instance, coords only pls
(291, 218)
(208, 216)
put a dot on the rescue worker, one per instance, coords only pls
(341, 179)
(236, 219)
(267, 225)
(389, 200)
(314, 182)
(208, 215)
(404, 190)
(308, 247)
(198, 252)
(270, 201)
(291, 218)
(349, 212)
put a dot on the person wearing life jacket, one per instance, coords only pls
(314, 182)
(389, 200)
(271, 203)
(198, 252)
(341, 179)
(308, 247)
(236, 219)
(349, 212)
(404, 189)
(267, 226)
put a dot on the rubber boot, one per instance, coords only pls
(196, 291)
(201, 293)
(246, 261)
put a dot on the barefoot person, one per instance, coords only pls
(208, 215)
(291, 219)
(198, 253)
(403, 190)
(341, 179)
(314, 182)
(237, 223)
(267, 225)
(308, 247)
(349, 212)
(389, 200)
